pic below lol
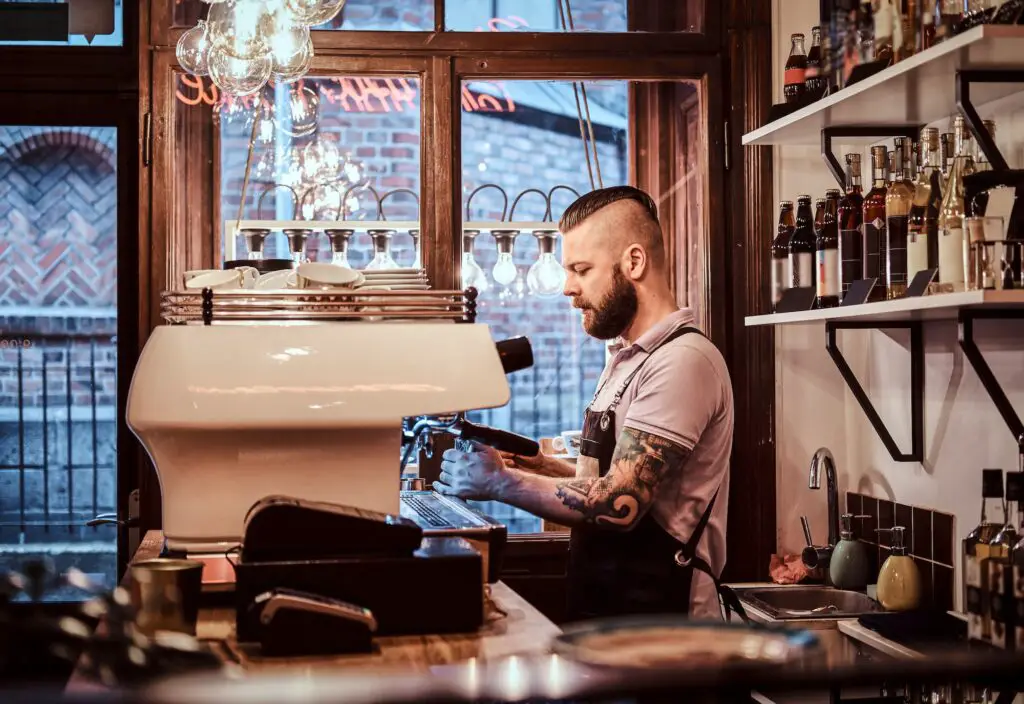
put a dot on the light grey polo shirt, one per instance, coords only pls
(682, 394)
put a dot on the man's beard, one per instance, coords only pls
(614, 313)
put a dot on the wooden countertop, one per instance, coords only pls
(512, 626)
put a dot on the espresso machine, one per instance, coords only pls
(277, 423)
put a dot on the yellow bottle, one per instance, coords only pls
(899, 582)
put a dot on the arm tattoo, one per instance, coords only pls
(621, 497)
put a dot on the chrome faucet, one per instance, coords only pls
(824, 457)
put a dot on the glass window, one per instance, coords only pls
(359, 15)
(583, 16)
(317, 141)
(58, 354)
(55, 23)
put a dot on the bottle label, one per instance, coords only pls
(828, 273)
(896, 249)
(810, 72)
(874, 240)
(951, 256)
(793, 76)
(780, 278)
(851, 247)
(802, 264)
(917, 250)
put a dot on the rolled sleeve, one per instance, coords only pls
(678, 394)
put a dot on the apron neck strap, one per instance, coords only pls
(678, 332)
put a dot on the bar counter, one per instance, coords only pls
(512, 627)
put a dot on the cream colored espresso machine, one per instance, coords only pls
(276, 420)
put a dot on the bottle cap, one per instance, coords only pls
(992, 483)
(803, 198)
(833, 193)
(1015, 486)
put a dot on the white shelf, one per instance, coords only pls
(942, 306)
(917, 91)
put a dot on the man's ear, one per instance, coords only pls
(635, 262)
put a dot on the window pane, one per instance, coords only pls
(364, 15)
(583, 16)
(58, 355)
(317, 140)
(56, 23)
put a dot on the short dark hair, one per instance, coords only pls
(589, 203)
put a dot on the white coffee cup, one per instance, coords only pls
(319, 275)
(568, 442)
(240, 277)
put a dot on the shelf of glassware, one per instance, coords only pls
(940, 306)
(918, 90)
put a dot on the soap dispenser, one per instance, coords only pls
(899, 582)
(849, 568)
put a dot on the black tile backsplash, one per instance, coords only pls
(928, 535)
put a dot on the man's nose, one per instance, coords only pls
(571, 288)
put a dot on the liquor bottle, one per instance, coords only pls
(796, 65)
(874, 224)
(890, 160)
(801, 245)
(851, 233)
(849, 42)
(1006, 539)
(926, 37)
(950, 14)
(923, 231)
(975, 554)
(908, 23)
(951, 214)
(1000, 549)
(829, 275)
(814, 76)
(898, 201)
(866, 32)
(886, 18)
(780, 252)
(946, 147)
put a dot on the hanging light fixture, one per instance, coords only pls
(546, 277)
(472, 274)
(243, 44)
(505, 271)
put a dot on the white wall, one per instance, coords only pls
(963, 431)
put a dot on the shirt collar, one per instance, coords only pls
(657, 334)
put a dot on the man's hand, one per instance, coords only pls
(479, 474)
(539, 464)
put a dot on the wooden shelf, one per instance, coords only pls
(943, 306)
(917, 91)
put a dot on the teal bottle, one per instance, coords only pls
(849, 568)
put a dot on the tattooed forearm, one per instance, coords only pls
(622, 496)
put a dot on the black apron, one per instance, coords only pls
(642, 571)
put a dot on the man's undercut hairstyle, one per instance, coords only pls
(648, 227)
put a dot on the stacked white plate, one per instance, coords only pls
(395, 279)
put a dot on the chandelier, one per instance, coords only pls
(243, 44)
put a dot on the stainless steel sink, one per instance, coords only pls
(794, 603)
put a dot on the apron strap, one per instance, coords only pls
(678, 332)
(730, 601)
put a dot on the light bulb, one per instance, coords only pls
(472, 275)
(235, 28)
(315, 12)
(546, 277)
(304, 104)
(193, 47)
(292, 53)
(238, 76)
(382, 247)
(504, 271)
(320, 160)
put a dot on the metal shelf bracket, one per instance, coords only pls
(964, 79)
(827, 133)
(916, 453)
(965, 330)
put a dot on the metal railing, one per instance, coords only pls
(57, 425)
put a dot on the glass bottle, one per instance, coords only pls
(951, 215)
(866, 32)
(886, 18)
(827, 246)
(906, 26)
(950, 14)
(922, 241)
(796, 66)
(946, 156)
(801, 245)
(814, 76)
(781, 276)
(851, 235)
(1000, 551)
(1007, 538)
(898, 201)
(926, 37)
(975, 551)
(874, 224)
(1018, 550)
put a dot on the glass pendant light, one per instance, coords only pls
(192, 50)
(505, 271)
(417, 255)
(340, 239)
(254, 240)
(235, 29)
(304, 109)
(546, 277)
(297, 243)
(472, 275)
(291, 50)
(382, 250)
(321, 160)
(315, 12)
(238, 76)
